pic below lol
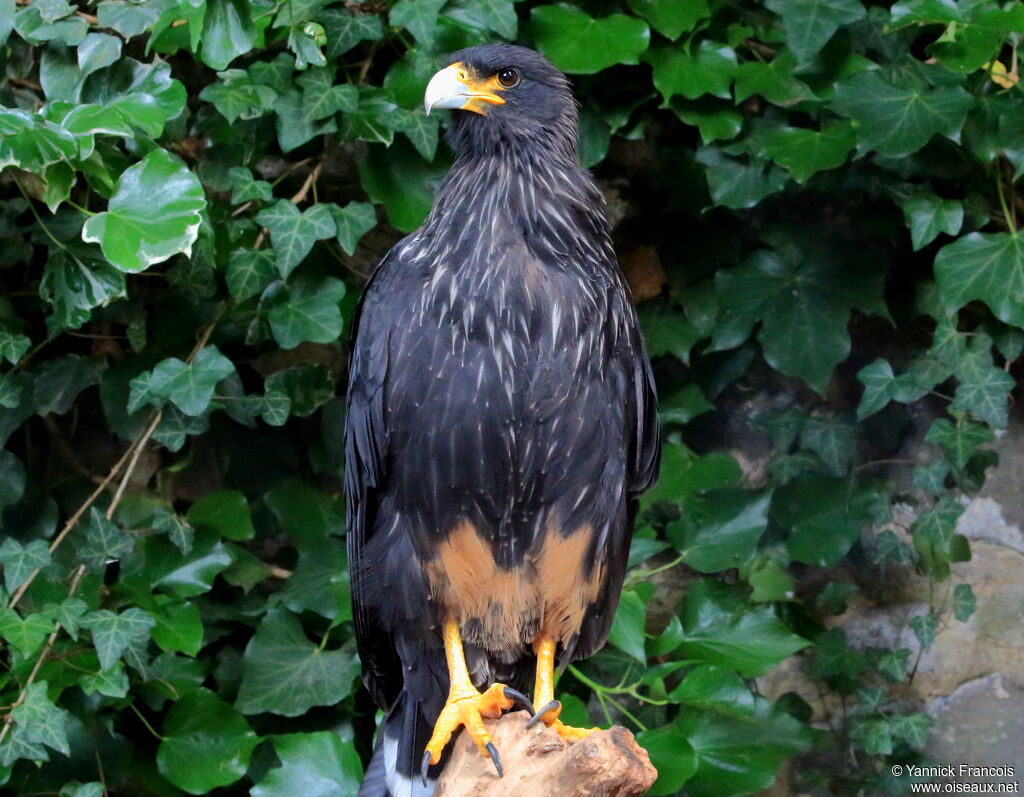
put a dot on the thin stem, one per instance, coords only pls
(645, 575)
(1002, 201)
(143, 720)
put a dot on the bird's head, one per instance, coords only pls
(504, 97)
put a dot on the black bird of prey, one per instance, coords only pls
(501, 424)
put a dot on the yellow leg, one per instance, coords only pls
(466, 706)
(548, 708)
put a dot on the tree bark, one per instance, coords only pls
(539, 762)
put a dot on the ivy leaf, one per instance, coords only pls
(809, 24)
(104, 542)
(805, 152)
(284, 673)
(29, 142)
(12, 345)
(154, 213)
(881, 386)
(38, 721)
(833, 439)
(671, 18)
(824, 519)
(311, 312)
(225, 513)
(895, 120)
(960, 441)
(575, 42)
(914, 728)
(179, 627)
(722, 530)
(113, 634)
(874, 735)
(68, 614)
(498, 16)
(75, 287)
(11, 391)
(739, 740)
(319, 764)
(320, 583)
(293, 232)
(189, 386)
(246, 188)
(112, 682)
(305, 387)
(988, 267)
(627, 631)
(803, 311)
(204, 743)
(736, 183)
(964, 602)
(250, 271)
(321, 98)
(128, 19)
(707, 71)
(59, 381)
(237, 96)
(20, 561)
(15, 747)
(984, 389)
(774, 81)
(927, 215)
(24, 635)
(353, 222)
(931, 477)
(671, 755)
(345, 29)
(924, 12)
(228, 32)
(12, 480)
(924, 627)
(421, 131)
(176, 528)
(749, 641)
(419, 17)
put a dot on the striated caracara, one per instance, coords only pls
(501, 424)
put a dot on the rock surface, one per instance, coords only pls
(538, 761)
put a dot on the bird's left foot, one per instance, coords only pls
(548, 714)
(466, 708)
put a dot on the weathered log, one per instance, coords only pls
(539, 762)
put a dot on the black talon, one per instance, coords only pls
(424, 767)
(519, 697)
(493, 751)
(544, 710)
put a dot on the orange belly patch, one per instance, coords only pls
(501, 608)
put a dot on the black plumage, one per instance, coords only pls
(500, 401)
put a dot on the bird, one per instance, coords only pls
(501, 425)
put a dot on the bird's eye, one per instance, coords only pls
(507, 78)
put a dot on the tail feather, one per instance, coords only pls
(395, 768)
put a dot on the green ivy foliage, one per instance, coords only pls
(192, 194)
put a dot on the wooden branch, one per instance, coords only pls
(538, 761)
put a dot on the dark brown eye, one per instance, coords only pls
(507, 78)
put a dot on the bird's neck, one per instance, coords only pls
(541, 196)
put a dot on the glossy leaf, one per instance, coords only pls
(578, 43)
(154, 213)
(287, 674)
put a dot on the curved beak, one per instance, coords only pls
(453, 88)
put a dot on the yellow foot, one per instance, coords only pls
(466, 708)
(548, 714)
